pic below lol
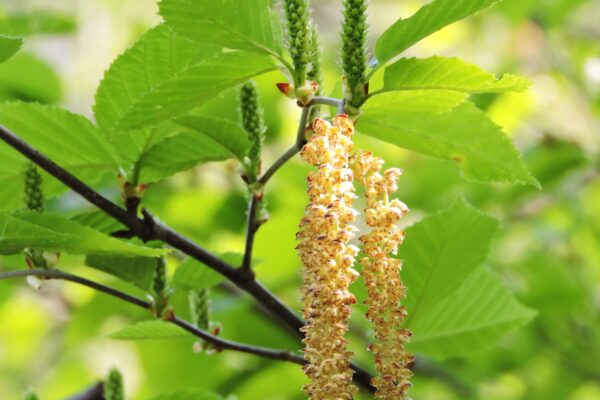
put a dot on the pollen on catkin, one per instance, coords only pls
(324, 234)
(381, 273)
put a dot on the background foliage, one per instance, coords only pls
(545, 247)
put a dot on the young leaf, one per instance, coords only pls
(9, 46)
(440, 251)
(136, 270)
(69, 139)
(473, 318)
(150, 330)
(430, 18)
(464, 135)
(193, 275)
(207, 139)
(235, 24)
(193, 87)
(47, 231)
(189, 395)
(159, 55)
(441, 73)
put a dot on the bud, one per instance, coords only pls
(287, 89)
(305, 94)
(131, 193)
(354, 58)
(252, 121)
(297, 13)
(113, 386)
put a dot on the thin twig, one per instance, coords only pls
(250, 232)
(220, 343)
(150, 229)
(292, 151)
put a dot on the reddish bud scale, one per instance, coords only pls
(325, 231)
(382, 276)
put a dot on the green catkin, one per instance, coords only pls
(297, 12)
(159, 286)
(354, 57)
(113, 386)
(200, 308)
(252, 121)
(33, 195)
(314, 73)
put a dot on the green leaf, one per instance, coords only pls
(194, 275)
(440, 251)
(441, 73)
(29, 78)
(9, 46)
(150, 330)
(136, 270)
(193, 87)
(52, 232)
(235, 24)
(454, 305)
(473, 318)
(99, 221)
(189, 395)
(69, 139)
(414, 101)
(464, 135)
(430, 18)
(211, 139)
(36, 22)
(159, 55)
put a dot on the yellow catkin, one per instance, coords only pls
(324, 233)
(381, 273)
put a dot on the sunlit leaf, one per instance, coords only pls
(430, 18)
(159, 55)
(236, 24)
(441, 73)
(464, 135)
(194, 86)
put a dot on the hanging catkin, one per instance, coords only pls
(381, 273)
(325, 231)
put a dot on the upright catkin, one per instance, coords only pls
(324, 234)
(252, 121)
(113, 386)
(297, 14)
(381, 273)
(354, 55)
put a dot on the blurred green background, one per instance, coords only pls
(548, 250)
